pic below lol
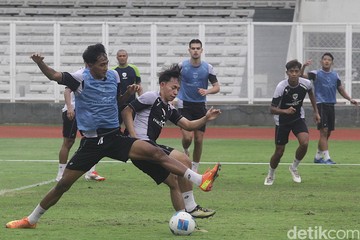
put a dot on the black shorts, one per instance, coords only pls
(92, 150)
(282, 132)
(69, 126)
(155, 171)
(193, 111)
(327, 114)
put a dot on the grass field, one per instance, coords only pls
(128, 205)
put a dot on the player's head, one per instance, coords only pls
(169, 81)
(329, 55)
(293, 71)
(293, 64)
(95, 58)
(122, 57)
(195, 48)
(327, 61)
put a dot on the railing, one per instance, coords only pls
(249, 57)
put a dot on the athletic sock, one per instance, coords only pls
(36, 214)
(189, 200)
(326, 155)
(195, 166)
(271, 171)
(193, 177)
(319, 154)
(295, 164)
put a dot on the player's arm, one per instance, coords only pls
(302, 70)
(70, 110)
(313, 104)
(127, 116)
(45, 69)
(344, 94)
(138, 80)
(188, 125)
(131, 89)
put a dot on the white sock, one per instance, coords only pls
(189, 200)
(295, 164)
(36, 214)
(271, 172)
(91, 170)
(326, 155)
(193, 177)
(319, 154)
(61, 169)
(195, 166)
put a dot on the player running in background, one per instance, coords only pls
(195, 78)
(152, 110)
(69, 134)
(129, 74)
(96, 97)
(326, 83)
(289, 116)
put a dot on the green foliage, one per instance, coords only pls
(129, 205)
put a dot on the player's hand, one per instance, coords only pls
(317, 118)
(212, 113)
(202, 91)
(307, 63)
(70, 114)
(132, 89)
(353, 101)
(37, 58)
(290, 110)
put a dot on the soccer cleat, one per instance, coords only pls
(295, 175)
(200, 212)
(321, 161)
(22, 223)
(329, 161)
(94, 176)
(209, 177)
(269, 180)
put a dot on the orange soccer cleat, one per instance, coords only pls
(209, 177)
(22, 223)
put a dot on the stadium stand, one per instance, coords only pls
(80, 23)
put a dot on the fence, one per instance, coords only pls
(249, 57)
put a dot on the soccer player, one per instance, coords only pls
(289, 116)
(326, 83)
(195, 77)
(152, 110)
(69, 134)
(96, 106)
(129, 74)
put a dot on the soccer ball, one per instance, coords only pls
(182, 223)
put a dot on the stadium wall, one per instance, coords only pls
(232, 114)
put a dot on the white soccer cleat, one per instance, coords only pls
(269, 180)
(295, 175)
(93, 176)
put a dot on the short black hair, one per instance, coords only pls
(172, 72)
(195, 41)
(93, 52)
(328, 54)
(293, 64)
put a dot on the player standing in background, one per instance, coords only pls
(195, 78)
(97, 97)
(152, 110)
(129, 74)
(69, 135)
(289, 115)
(326, 83)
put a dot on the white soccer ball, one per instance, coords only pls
(182, 223)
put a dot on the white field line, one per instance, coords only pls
(205, 163)
(5, 191)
